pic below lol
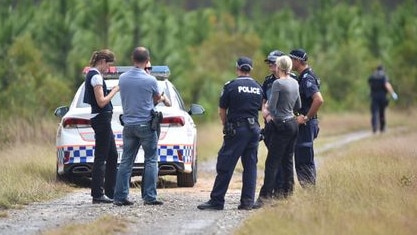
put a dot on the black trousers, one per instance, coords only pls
(378, 105)
(105, 157)
(280, 158)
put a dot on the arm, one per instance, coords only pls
(222, 114)
(99, 95)
(273, 100)
(265, 112)
(317, 102)
(165, 100)
(391, 90)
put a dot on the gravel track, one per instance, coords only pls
(178, 215)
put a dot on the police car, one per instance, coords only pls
(177, 145)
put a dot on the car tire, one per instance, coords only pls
(187, 179)
(64, 178)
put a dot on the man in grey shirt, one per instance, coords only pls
(284, 100)
(139, 92)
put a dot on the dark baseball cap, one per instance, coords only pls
(299, 54)
(244, 63)
(273, 55)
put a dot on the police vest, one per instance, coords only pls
(89, 97)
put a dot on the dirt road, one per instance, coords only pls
(178, 215)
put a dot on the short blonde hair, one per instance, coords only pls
(284, 63)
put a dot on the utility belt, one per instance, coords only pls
(244, 122)
(229, 128)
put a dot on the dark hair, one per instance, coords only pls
(105, 54)
(140, 55)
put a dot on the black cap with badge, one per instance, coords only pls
(273, 55)
(299, 54)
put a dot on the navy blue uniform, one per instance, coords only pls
(242, 98)
(379, 99)
(304, 151)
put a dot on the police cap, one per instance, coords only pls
(273, 55)
(299, 54)
(244, 63)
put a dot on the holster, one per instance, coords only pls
(229, 129)
(156, 120)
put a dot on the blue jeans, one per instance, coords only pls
(133, 137)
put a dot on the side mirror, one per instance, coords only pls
(196, 109)
(61, 111)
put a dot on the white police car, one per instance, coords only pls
(177, 145)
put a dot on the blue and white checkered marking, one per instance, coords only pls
(166, 153)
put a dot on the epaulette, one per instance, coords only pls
(228, 82)
(293, 75)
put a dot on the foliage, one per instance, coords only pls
(45, 49)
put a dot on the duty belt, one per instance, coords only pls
(243, 122)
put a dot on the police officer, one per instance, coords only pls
(240, 102)
(379, 85)
(311, 100)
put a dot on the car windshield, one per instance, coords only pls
(165, 87)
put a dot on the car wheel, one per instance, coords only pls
(67, 178)
(64, 178)
(187, 179)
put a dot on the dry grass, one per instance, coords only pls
(28, 175)
(28, 163)
(368, 188)
(105, 225)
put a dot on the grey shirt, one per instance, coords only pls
(285, 98)
(137, 89)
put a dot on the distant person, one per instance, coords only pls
(105, 154)
(311, 101)
(380, 86)
(139, 92)
(284, 100)
(240, 102)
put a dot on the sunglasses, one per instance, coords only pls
(148, 68)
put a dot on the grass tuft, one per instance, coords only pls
(105, 225)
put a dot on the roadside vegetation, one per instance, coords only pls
(368, 187)
(27, 158)
(372, 181)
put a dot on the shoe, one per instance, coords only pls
(244, 207)
(209, 206)
(153, 203)
(102, 199)
(124, 202)
(258, 204)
